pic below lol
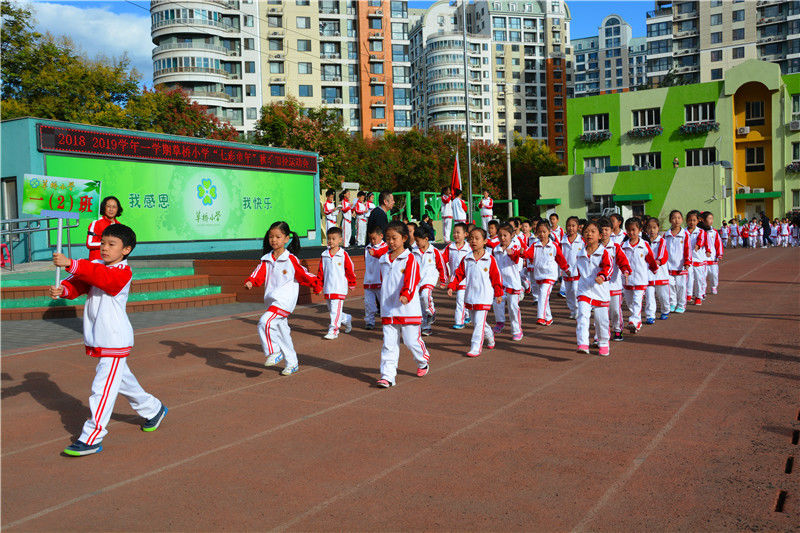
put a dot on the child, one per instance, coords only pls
(752, 232)
(361, 218)
(593, 268)
(483, 282)
(556, 231)
(281, 274)
(700, 252)
(734, 233)
(617, 235)
(486, 206)
(775, 232)
(426, 223)
(715, 245)
(640, 256)
(619, 265)
(658, 287)
(412, 230)
(432, 270)
(452, 256)
(401, 313)
(459, 207)
(107, 334)
(725, 234)
(571, 245)
(446, 212)
(745, 233)
(784, 232)
(492, 240)
(330, 209)
(110, 209)
(372, 275)
(507, 255)
(370, 204)
(337, 275)
(547, 258)
(347, 218)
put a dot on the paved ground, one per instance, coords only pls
(686, 427)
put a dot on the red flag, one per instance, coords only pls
(455, 181)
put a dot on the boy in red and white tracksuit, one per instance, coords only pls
(486, 206)
(452, 256)
(107, 335)
(432, 271)
(459, 208)
(507, 255)
(593, 295)
(571, 249)
(372, 275)
(547, 258)
(446, 213)
(619, 265)
(712, 262)
(361, 210)
(640, 257)
(734, 232)
(658, 286)
(338, 275)
(347, 218)
(330, 210)
(696, 284)
(679, 259)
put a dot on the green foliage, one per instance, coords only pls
(529, 160)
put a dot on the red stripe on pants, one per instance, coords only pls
(103, 400)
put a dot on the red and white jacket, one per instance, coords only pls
(431, 266)
(618, 237)
(486, 205)
(492, 242)
(400, 277)
(107, 332)
(734, 229)
(372, 270)
(337, 274)
(282, 277)
(94, 234)
(679, 254)
(361, 210)
(661, 255)
(698, 238)
(330, 210)
(714, 242)
(619, 265)
(546, 259)
(452, 257)
(347, 210)
(640, 258)
(459, 209)
(557, 234)
(507, 260)
(588, 267)
(571, 251)
(482, 278)
(446, 211)
(784, 230)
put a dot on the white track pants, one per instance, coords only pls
(572, 300)
(361, 231)
(499, 312)
(461, 312)
(390, 352)
(329, 224)
(615, 313)
(447, 227)
(113, 377)
(657, 296)
(428, 308)
(712, 275)
(601, 331)
(544, 289)
(634, 299)
(338, 317)
(677, 290)
(481, 331)
(485, 223)
(276, 337)
(751, 242)
(371, 298)
(347, 232)
(696, 284)
(511, 302)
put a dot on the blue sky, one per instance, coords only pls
(113, 28)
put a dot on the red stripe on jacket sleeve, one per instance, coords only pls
(110, 280)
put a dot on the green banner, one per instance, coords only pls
(174, 203)
(69, 195)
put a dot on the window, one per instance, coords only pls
(796, 107)
(248, 21)
(304, 68)
(715, 3)
(796, 151)
(353, 92)
(252, 113)
(716, 55)
(305, 90)
(647, 117)
(249, 43)
(376, 90)
(375, 46)
(738, 15)
(716, 37)
(754, 159)
(795, 198)
(250, 90)
(738, 52)
(375, 23)
(276, 90)
(303, 2)
(716, 19)
(648, 160)
(716, 73)
(303, 23)
(738, 34)
(303, 45)
(378, 112)
(276, 67)
(699, 157)
(376, 68)
(249, 67)
(700, 112)
(275, 22)
(595, 122)
(598, 164)
(276, 44)
(754, 113)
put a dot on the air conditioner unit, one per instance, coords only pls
(743, 190)
(744, 130)
(373, 80)
(794, 125)
(337, 100)
(758, 189)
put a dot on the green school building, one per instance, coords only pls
(731, 147)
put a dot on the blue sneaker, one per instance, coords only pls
(288, 371)
(664, 316)
(153, 423)
(467, 320)
(273, 359)
(458, 326)
(79, 448)
(672, 308)
(680, 309)
(650, 321)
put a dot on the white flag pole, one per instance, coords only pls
(60, 215)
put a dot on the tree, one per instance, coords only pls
(531, 159)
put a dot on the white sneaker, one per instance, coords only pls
(288, 371)
(273, 359)
(348, 326)
(331, 335)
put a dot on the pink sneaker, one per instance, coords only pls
(498, 327)
(516, 337)
(470, 354)
(489, 348)
(713, 290)
(604, 351)
(583, 348)
(423, 371)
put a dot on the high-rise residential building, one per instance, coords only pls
(697, 41)
(611, 61)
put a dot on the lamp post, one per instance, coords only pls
(466, 111)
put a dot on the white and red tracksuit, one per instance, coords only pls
(400, 277)
(94, 234)
(507, 260)
(557, 234)
(361, 210)
(459, 208)
(527, 269)
(486, 205)
(281, 277)
(734, 229)
(108, 336)
(492, 242)
(752, 235)
(640, 257)
(446, 212)
(658, 286)
(725, 234)
(432, 271)
(338, 275)
(593, 297)
(696, 284)
(330, 210)
(712, 263)
(347, 221)
(547, 259)
(372, 280)
(617, 238)
(679, 259)
(571, 249)
(452, 257)
(484, 283)
(784, 234)
(619, 265)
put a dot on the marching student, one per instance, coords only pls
(370, 204)
(619, 266)
(715, 245)
(372, 275)
(361, 211)
(526, 266)
(640, 257)
(745, 234)
(107, 335)
(507, 255)
(486, 205)
(725, 234)
(593, 268)
(556, 231)
(547, 258)
(753, 233)
(696, 283)
(329, 209)
(347, 218)
(110, 209)
(481, 276)
(401, 313)
(492, 239)
(784, 232)
(760, 233)
(459, 207)
(432, 271)
(452, 256)
(617, 233)
(775, 232)
(571, 245)
(734, 232)
(446, 212)
(338, 275)
(658, 287)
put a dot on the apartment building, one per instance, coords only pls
(611, 61)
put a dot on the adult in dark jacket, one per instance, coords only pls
(380, 215)
(767, 229)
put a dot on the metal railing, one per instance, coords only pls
(11, 227)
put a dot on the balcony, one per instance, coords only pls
(331, 78)
(375, 35)
(770, 20)
(665, 12)
(376, 13)
(333, 101)
(212, 96)
(331, 55)
(275, 10)
(330, 33)
(686, 16)
(195, 22)
(379, 126)
(194, 46)
(196, 70)
(329, 10)
(376, 57)
(771, 39)
(277, 79)
(686, 33)
(376, 81)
